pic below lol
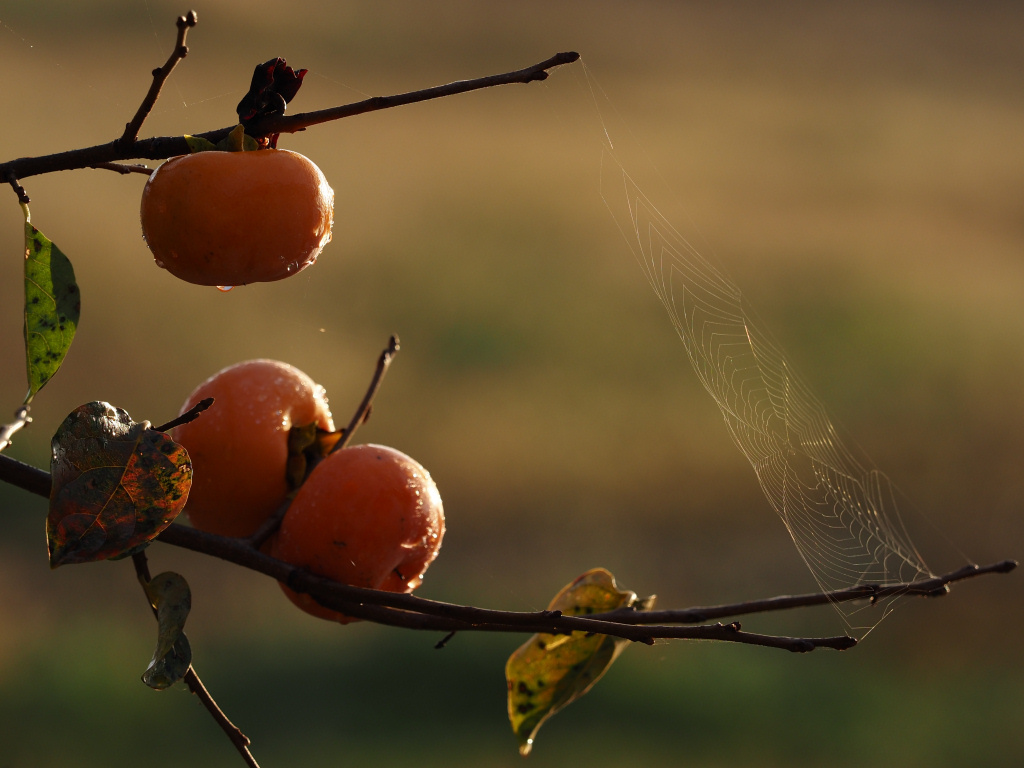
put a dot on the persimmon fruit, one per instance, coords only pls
(368, 516)
(231, 218)
(240, 446)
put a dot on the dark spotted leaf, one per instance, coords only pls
(116, 485)
(52, 306)
(171, 598)
(549, 672)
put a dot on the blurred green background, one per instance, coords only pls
(857, 168)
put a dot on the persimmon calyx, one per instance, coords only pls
(308, 445)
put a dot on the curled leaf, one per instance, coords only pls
(116, 485)
(273, 85)
(549, 672)
(52, 307)
(171, 598)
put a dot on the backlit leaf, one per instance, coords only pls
(549, 672)
(52, 306)
(171, 598)
(199, 144)
(116, 485)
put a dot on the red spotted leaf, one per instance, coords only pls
(116, 485)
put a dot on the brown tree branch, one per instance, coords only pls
(413, 612)
(362, 413)
(299, 122)
(195, 684)
(160, 75)
(161, 148)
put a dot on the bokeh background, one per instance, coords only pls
(857, 168)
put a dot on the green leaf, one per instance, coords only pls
(52, 307)
(116, 485)
(171, 598)
(549, 672)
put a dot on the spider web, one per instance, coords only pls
(840, 510)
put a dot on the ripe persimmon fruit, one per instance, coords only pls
(231, 218)
(368, 516)
(239, 446)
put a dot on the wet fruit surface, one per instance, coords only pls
(231, 218)
(239, 446)
(368, 516)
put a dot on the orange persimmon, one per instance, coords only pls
(239, 446)
(368, 516)
(231, 218)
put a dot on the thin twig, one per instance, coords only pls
(124, 168)
(160, 75)
(932, 587)
(195, 684)
(163, 147)
(292, 123)
(190, 415)
(21, 419)
(413, 612)
(363, 411)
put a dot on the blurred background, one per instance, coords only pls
(857, 170)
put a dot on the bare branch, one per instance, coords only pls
(131, 130)
(933, 587)
(363, 411)
(413, 612)
(161, 148)
(299, 122)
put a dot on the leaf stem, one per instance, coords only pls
(21, 420)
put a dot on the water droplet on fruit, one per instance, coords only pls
(224, 288)
(160, 264)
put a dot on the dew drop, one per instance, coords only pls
(224, 288)
(160, 264)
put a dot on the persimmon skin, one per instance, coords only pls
(232, 218)
(239, 446)
(368, 516)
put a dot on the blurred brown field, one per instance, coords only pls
(859, 172)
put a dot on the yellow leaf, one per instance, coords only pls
(549, 672)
